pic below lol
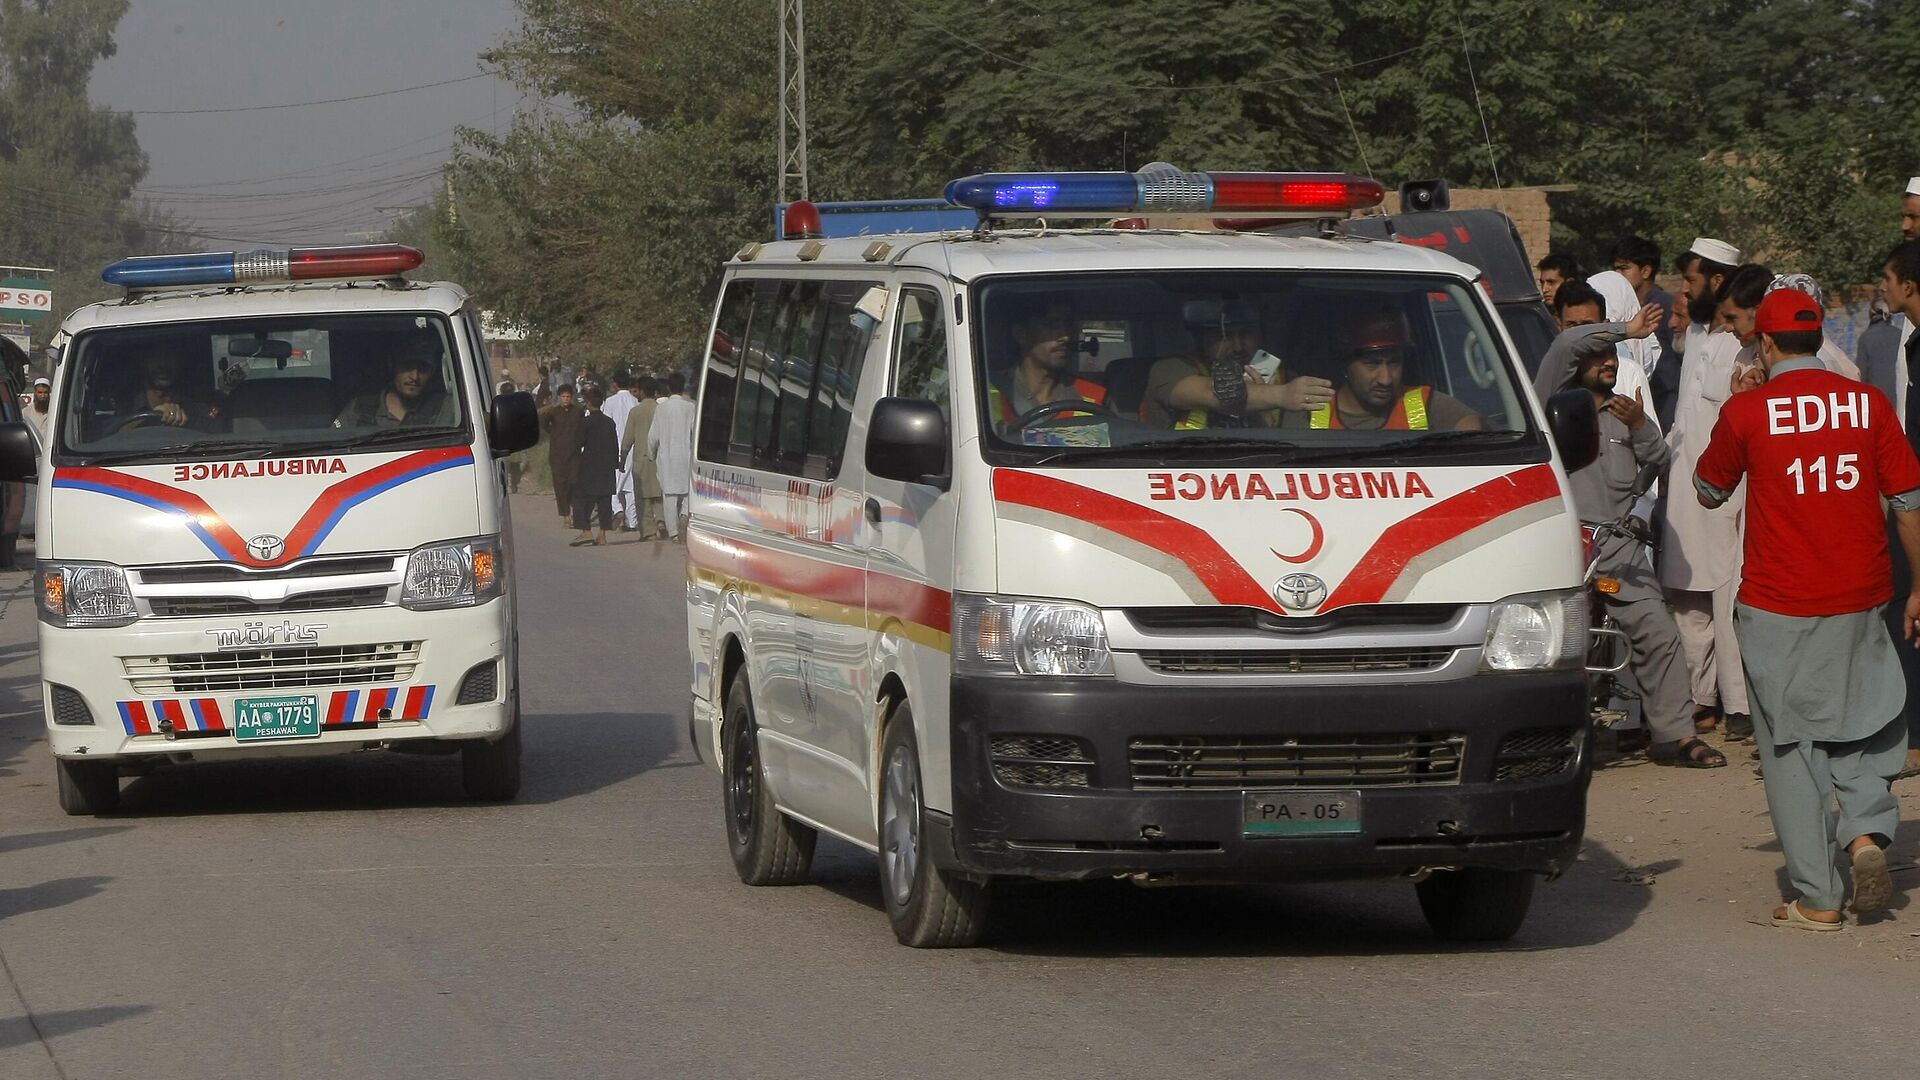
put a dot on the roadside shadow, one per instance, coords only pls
(565, 755)
(48, 894)
(23, 841)
(1593, 903)
(19, 1030)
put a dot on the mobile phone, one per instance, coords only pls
(1265, 364)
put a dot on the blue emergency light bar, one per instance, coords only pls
(1165, 190)
(262, 265)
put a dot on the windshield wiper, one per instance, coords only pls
(1160, 447)
(1438, 442)
(382, 438)
(159, 454)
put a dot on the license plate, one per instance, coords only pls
(1302, 813)
(291, 717)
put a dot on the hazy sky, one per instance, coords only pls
(302, 175)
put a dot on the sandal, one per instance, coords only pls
(1705, 719)
(1872, 883)
(1690, 753)
(1739, 728)
(1797, 920)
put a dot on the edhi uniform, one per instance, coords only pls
(1818, 452)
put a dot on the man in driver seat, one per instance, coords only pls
(158, 401)
(412, 396)
(1373, 394)
(1047, 335)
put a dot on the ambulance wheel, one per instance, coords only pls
(1476, 904)
(930, 908)
(490, 771)
(768, 847)
(88, 787)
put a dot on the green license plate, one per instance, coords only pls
(276, 718)
(1301, 813)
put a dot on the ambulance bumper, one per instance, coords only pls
(1487, 771)
(377, 676)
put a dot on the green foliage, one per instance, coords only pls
(67, 166)
(602, 225)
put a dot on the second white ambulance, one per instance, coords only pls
(1033, 553)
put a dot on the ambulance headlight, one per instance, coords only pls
(1537, 632)
(84, 594)
(457, 574)
(1004, 635)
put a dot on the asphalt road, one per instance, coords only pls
(355, 918)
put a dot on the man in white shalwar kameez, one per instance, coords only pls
(617, 406)
(670, 446)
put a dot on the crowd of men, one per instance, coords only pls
(1767, 584)
(623, 455)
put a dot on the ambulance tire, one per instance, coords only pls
(88, 787)
(1477, 903)
(490, 771)
(768, 847)
(930, 907)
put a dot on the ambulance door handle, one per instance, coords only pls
(873, 510)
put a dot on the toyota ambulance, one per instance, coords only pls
(989, 636)
(272, 521)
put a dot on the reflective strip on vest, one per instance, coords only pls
(1409, 413)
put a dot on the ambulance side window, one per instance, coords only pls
(753, 365)
(794, 371)
(842, 355)
(723, 369)
(920, 348)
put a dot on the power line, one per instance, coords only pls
(305, 104)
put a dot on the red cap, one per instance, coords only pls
(1784, 311)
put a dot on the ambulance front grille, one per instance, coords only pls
(1289, 761)
(1296, 661)
(272, 669)
(324, 600)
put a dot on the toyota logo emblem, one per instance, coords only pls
(266, 547)
(1300, 592)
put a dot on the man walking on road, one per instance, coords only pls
(619, 405)
(1818, 452)
(670, 445)
(1900, 284)
(561, 422)
(633, 455)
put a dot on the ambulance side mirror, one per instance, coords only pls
(513, 424)
(19, 454)
(907, 441)
(1575, 425)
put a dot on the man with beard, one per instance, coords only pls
(159, 400)
(1705, 267)
(1372, 393)
(411, 397)
(36, 413)
(1586, 356)
(1047, 337)
(1227, 380)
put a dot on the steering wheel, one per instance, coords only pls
(138, 419)
(1060, 408)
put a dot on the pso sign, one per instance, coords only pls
(16, 298)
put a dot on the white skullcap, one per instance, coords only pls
(1913, 186)
(43, 382)
(1715, 250)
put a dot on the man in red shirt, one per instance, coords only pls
(1819, 451)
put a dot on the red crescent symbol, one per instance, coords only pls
(1313, 548)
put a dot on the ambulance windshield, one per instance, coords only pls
(1111, 368)
(260, 387)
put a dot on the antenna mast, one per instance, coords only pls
(792, 150)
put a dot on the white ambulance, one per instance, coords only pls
(1030, 552)
(272, 521)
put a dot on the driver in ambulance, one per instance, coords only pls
(158, 399)
(1373, 394)
(1046, 333)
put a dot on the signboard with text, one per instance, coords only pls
(24, 300)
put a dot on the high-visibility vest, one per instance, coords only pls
(1409, 413)
(1002, 403)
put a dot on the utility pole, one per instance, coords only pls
(792, 151)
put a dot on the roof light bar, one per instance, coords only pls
(262, 265)
(1163, 189)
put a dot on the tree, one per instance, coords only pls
(68, 166)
